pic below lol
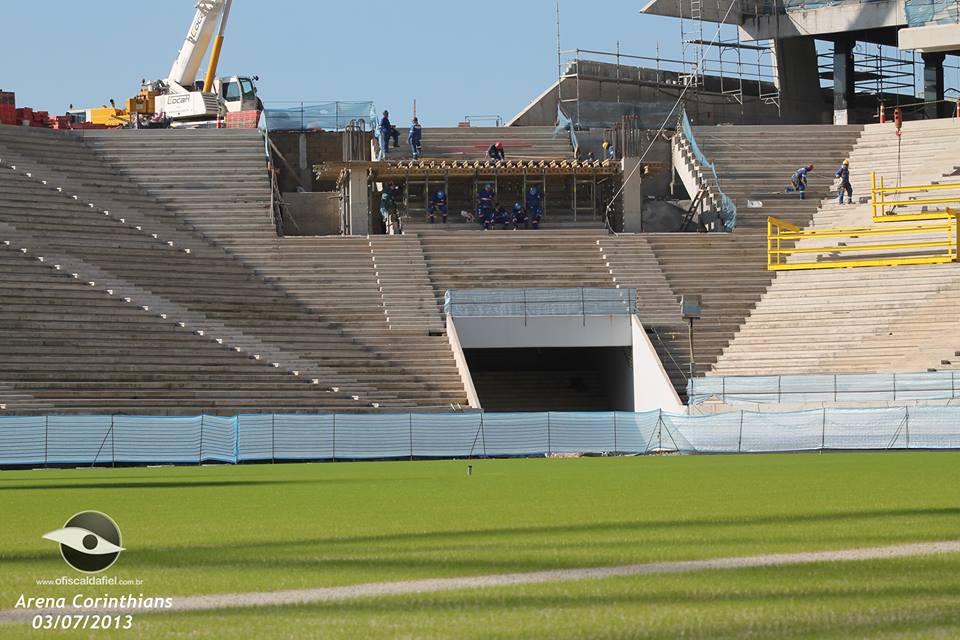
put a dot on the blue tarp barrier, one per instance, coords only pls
(88, 440)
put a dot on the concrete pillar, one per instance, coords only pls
(306, 175)
(359, 210)
(798, 80)
(933, 85)
(843, 86)
(632, 197)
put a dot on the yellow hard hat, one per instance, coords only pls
(846, 162)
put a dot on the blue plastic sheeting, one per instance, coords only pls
(521, 303)
(86, 440)
(728, 210)
(446, 435)
(516, 434)
(924, 12)
(797, 389)
(330, 116)
(565, 126)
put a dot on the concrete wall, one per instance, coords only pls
(652, 388)
(302, 151)
(844, 18)
(559, 331)
(312, 214)
(462, 368)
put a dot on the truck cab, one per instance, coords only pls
(239, 93)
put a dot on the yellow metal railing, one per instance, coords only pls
(883, 209)
(783, 239)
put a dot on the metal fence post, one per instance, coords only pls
(334, 437)
(660, 429)
(615, 449)
(200, 456)
(113, 446)
(823, 430)
(410, 416)
(46, 440)
(549, 443)
(273, 438)
(740, 436)
(907, 410)
(483, 436)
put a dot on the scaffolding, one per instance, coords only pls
(877, 71)
(733, 70)
(732, 61)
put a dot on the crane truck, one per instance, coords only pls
(180, 96)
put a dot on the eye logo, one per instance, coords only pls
(89, 541)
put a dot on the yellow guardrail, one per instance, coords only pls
(883, 208)
(783, 239)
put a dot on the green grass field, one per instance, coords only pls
(265, 528)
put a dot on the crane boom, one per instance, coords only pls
(187, 65)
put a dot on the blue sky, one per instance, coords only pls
(456, 58)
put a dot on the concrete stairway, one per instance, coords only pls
(471, 143)
(405, 287)
(207, 281)
(67, 345)
(755, 164)
(468, 260)
(881, 319)
(634, 265)
(729, 272)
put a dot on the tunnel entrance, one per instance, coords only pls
(552, 379)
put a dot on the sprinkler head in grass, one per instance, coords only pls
(469, 469)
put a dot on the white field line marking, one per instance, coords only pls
(376, 589)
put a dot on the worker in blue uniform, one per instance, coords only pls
(438, 204)
(486, 202)
(798, 181)
(534, 202)
(843, 173)
(520, 216)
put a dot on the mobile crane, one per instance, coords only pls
(180, 96)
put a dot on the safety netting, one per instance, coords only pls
(728, 210)
(511, 303)
(90, 440)
(818, 388)
(924, 12)
(329, 116)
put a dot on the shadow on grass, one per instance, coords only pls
(383, 553)
(184, 484)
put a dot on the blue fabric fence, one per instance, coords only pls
(88, 440)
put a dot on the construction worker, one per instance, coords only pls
(520, 216)
(486, 203)
(798, 181)
(385, 133)
(501, 217)
(495, 152)
(534, 206)
(438, 203)
(415, 138)
(388, 209)
(845, 187)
